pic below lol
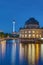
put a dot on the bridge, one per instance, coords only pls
(10, 38)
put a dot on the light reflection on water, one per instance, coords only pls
(3, 46)
(15, 53)
(42, 52)
(37, 53)
(29, 53)
(33, 54)
(21, 52)
(13, 57)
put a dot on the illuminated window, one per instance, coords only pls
(33, 31)
(25, 31)
(25, 35)
(29, 35)
(29, 31)
(37, 36)
(33, 35)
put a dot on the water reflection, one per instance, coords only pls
(42, 52)
(33, 54)
(21, 52)
(29, 53)
(15, 53)
(37, 52)
(13, 57)
(3, 47)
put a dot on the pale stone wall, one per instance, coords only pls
(31, 33)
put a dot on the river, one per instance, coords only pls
(12, 52)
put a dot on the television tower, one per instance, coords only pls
(13, 25)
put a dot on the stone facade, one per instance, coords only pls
(31, 29)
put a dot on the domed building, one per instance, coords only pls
(32, 23)
(31, 30)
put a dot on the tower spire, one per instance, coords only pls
(13, 25)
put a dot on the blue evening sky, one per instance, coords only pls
(20, 10)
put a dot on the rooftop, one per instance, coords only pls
(31, 21)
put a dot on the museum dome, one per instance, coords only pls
(31, 21)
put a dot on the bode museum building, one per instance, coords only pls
(31, 30)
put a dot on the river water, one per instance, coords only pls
(12, 52)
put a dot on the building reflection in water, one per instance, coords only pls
(37, 53)
(31, 52)
(3, 47)
(21, 52)
(13, 53)
(42, 52)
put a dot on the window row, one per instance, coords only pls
(30, 36)
(30, 31)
